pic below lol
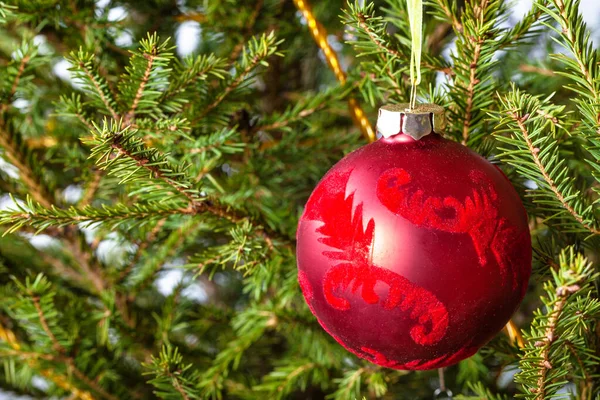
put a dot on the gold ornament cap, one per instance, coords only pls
(420, 121)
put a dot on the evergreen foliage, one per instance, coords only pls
(149, 198)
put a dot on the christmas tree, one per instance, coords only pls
(156, 157)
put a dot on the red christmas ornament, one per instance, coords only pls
(413, 254)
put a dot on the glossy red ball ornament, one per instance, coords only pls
(413, 254)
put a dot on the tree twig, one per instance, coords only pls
(562, 293)
(228, 89)
(536, 159)
(247, 32)
(473, 81)
(63, 357)
(105, 101)
(131, 113)
(456, 25)
(15, 156)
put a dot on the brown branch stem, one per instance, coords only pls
(283, 124)
(456, 25)
(177, 386)
(20, 71)
(55, 344)
(473, 81)
(63, 357)
(228, 89)
(551, 184)
(247, 32)
(15, 156)
(567, 29)
(99, 91)
(196, 204)
(136, 101)
(562, 293)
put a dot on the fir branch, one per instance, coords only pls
(55, 344)
(471, 92)
(569, 314)
(37, 302)
(582, 70)
(38, 217)
(563, 293)
(383, 50)
(302, 109)
(576, 39)
(144, 81)
(247, 31)
(16, 150)
(255, 53)
(536, 156)
(450, 14)
(168, 176)
(147, 75)
(171, 378)
(287, 377)
(17, 153)
(371, 38)
(250, 326)
(349, 385)
(163, 131)
(185, 77)
(18, 350)
(7, 12)
(378, 41)
(243, 253)
(131, 158)
(72, 107)
(82, 66)
(284, 122)
(551, 184)
(21, 157)
(587, 384)
(120, 151)
(524, 29)
(225, 141)
(19, 74)
(143, 276)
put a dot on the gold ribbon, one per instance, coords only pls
(514, 334)
(319, 34)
